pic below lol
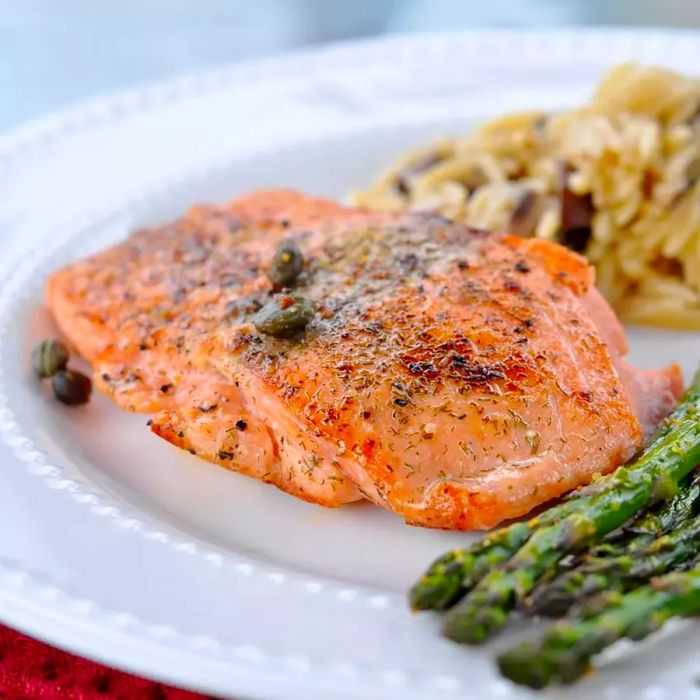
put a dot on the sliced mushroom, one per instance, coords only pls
(526, 214)
(576, 213)
(403, 179)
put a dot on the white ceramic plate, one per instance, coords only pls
(119, 547)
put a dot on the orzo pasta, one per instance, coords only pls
(617, 179)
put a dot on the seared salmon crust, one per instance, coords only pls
(454, 376)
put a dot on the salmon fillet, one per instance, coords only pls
(454, 376)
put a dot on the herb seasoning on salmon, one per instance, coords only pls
(454, 376)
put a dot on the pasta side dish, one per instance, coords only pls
(617, 180)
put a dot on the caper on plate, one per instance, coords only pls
(71, 387)
(48, 357)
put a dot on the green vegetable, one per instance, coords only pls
(284, 316)
(566, 651)
(654, 476)
(619, 573)
(287, 264)
(455, 573)
(665, 517)
(582, 579)
(71, 388)
(48, 357)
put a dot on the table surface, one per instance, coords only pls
(54, 52)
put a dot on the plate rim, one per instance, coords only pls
(116, 103)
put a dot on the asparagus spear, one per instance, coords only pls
(620, 573)
(455, 573)
(458, 571)
(609, 559)
(667, 516)
(643, 530)
(652, 477)
(565, 653)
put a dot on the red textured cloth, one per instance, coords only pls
(31, 670)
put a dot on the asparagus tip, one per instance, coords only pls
(523, 666)
(530, 665)
(422, 597)
(475, 626)
(429, 594)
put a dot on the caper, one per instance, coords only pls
(48, 357)
(71, 387)
(284, 316)
(287, 264)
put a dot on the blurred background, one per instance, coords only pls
(53, 52)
